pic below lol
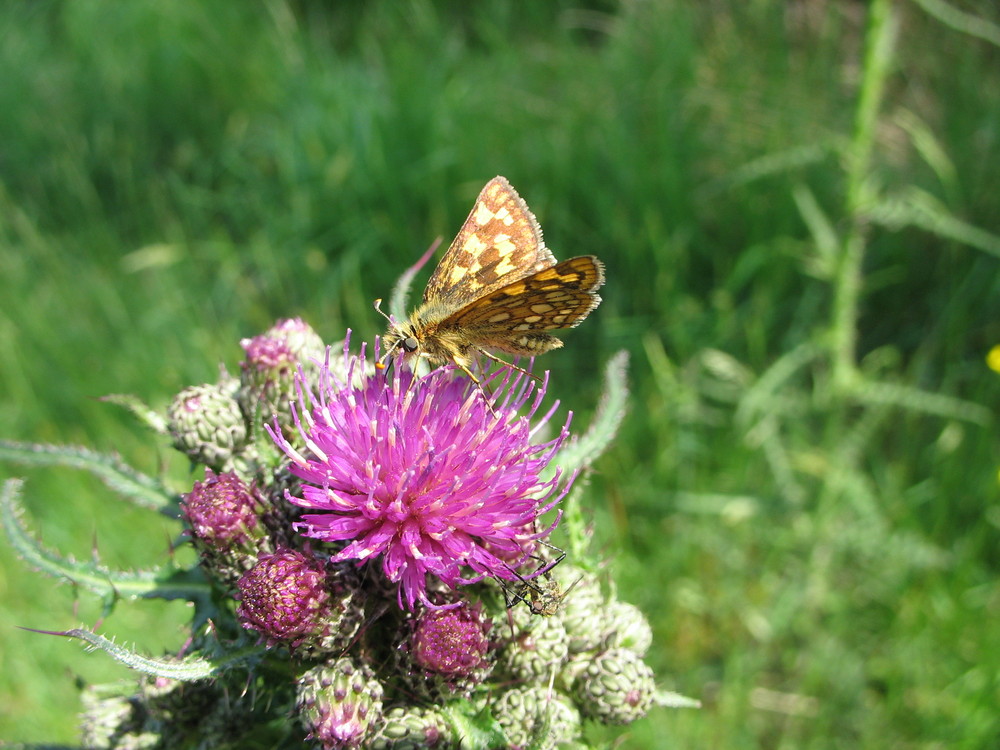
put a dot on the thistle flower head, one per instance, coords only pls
(225, 516)
(289, 598)
(452, 642)
(423, 473)
(222, 510)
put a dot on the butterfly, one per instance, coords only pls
(497, 288)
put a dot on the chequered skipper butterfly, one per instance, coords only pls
(497, 288)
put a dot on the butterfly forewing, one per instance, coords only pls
(499, 243)
(557, 297)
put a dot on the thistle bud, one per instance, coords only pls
(413, 728)
(225, 519)
(112, 720)
(452, 643)
(206, 423)
(267, 379)
(537, 717)
(628, 628)
(539, 648)
(292, 599)
(340, 703)
(615, 687)
(582, 608)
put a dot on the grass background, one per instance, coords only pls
(797, 205)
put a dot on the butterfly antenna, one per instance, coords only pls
(378, 309)
(388, 353)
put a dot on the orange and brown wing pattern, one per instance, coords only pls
(515, 317)
(499, 243)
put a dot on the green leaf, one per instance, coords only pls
(769, 165)
(476, 730)
(583, 451)
(920, 209)
(822, 263)
(137, 408)
(966, 23)
(140, 489)
(189, 669)
(915, 399)
(111, 585)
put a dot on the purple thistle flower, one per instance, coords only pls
(422, 472)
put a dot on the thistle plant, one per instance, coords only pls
(374, 563)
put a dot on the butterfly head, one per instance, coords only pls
(399, 336)
(402, 337)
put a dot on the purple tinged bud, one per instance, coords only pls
(289, 597)
(340, 703)
(452, 642)
(222, 510)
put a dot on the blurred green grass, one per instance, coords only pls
(820, 565)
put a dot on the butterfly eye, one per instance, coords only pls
(410, 344)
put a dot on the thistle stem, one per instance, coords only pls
(880, 37)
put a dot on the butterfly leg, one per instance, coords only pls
(505, 363)
(479, 383)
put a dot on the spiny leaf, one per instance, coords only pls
(582, 452)
(112, 585)
(920, 209)
(967, 23)
(140, 489)
(822, 263)
(770, 164)
(759, 399)
(138, 408)
(187, 670)
(669, 699)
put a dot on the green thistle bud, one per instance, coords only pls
(413, 728)
(582, 609)
(112, 720)
(201, 714)
(206, 423)
(614, 687)
(628, 628)
(340, 703)
(539, 648)
(534, 716)
(267, 379)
